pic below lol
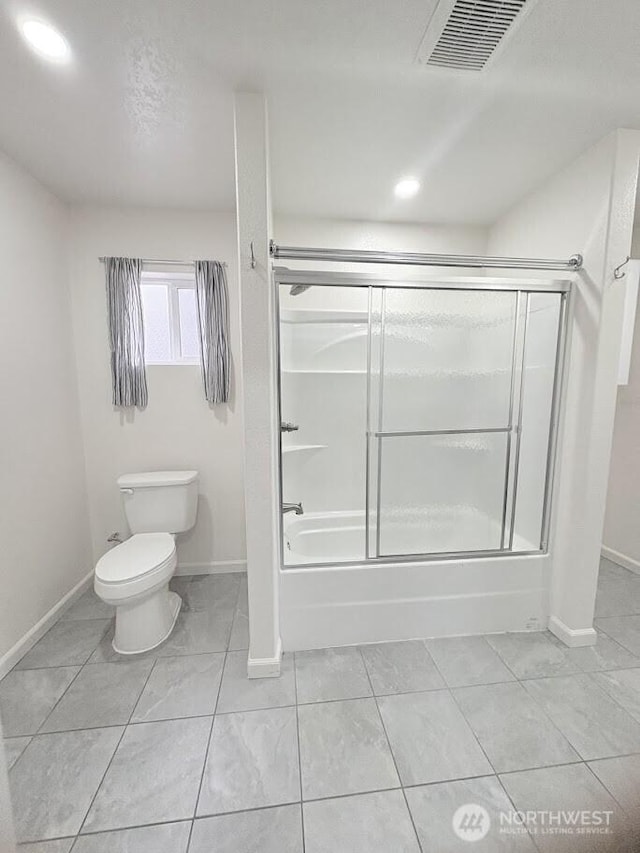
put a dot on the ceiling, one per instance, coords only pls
(144, 113)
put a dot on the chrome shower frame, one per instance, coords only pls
(384, 281)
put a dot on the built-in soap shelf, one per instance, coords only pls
(322, 315)
(302, 448)
(328, 371)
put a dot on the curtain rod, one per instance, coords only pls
(358, 256)
(166, 261)
(159, 261)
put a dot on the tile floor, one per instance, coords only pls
(352, 749)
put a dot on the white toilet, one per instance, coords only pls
(134, 576)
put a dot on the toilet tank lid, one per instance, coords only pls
(149, 479)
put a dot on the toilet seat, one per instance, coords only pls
(134, 568)
(143, 554)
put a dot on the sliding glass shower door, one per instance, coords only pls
(431, 407)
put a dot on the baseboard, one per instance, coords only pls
(621, 559)
(265, 667)
(572, 637)
(19, 650)
(216, 568)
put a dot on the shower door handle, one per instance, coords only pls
(286, 426)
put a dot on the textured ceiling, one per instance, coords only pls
(143, 115)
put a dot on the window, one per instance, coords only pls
(170, 318)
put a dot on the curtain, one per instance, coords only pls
(211, 301)
(126, 333)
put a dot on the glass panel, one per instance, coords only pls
(189, 343)
(155, 312)
(447, 359)
(323, 378)
(539, 366)
(442, 493)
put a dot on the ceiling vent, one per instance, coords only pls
(465, 34)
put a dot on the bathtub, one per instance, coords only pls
(330, 537)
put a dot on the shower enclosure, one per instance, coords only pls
(418, 417)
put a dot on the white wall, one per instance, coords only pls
(587, 208)
(178, 429)
(383, 236)
(43, 517)
(622, 520)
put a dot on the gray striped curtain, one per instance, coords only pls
(126, 332)
(211, 301)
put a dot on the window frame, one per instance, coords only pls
(174, 281)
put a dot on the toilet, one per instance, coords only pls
(134, 576)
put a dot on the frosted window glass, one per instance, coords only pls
(189, 344)
(155, 310)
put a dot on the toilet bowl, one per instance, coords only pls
(134, 576)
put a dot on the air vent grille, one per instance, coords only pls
(471, 33)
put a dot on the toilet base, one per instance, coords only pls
(146, 623)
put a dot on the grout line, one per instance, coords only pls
(295, 688)
(208, 746)
(390, 748)
(64, 693)
(93, 799)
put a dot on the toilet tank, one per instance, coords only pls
(160, 501)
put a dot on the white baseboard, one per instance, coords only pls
(621, 559)
(217, 568)
(19, 650)
(572, 637)
(265, 667)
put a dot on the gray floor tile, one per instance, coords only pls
(165, 838)
(570, 788)
(621, 777)
(89, 606)
(465, 661)
(400, 667)
(54, 781)
(66, 644)
(343, 749)
(623, 629)
(240, 631)
(531, 655)
(13, 749)
(104, 694)
(618, 596)
(185, 686)
(595, 725)
(430, 739)
(239, 693)
(207, 592)
(28, 696)
(274, 830)
(376, 823)
(606, 654)
(434, 806)
(624, 686)
(512, 729)
(324, 674)
(154, 775)
(252, 762)
(609, 569)
(60, 845)
(198, 632)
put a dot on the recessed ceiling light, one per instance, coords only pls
(45, 40)
(407, 188)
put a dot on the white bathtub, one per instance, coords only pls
(330, 537)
